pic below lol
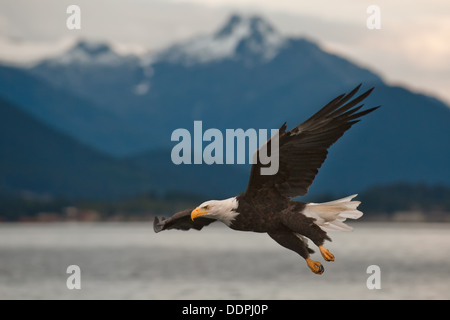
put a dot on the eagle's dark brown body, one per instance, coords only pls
(282, 219)
(263, 217)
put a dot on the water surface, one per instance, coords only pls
(129, 261)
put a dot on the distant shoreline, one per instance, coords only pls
(94, 217)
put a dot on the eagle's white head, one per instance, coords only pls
(223, 210)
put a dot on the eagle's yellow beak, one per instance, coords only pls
(197, 212)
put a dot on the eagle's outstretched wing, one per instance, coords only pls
(181, 221)
(303, 149)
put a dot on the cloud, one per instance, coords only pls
(28, 52)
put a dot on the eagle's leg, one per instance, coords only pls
(306, 226)
(291, 241)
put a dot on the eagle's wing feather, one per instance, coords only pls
(181, 221)
(303, 149)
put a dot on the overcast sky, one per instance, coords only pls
(412, 48)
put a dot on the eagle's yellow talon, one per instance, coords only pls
(315, 266)
(326, 254)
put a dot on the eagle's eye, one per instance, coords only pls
(205, 207)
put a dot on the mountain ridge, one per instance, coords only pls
(403, 141)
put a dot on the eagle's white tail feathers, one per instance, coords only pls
(331, 215)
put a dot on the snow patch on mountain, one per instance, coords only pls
(241, 37)
(89, 53)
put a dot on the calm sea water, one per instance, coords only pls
(129, 261)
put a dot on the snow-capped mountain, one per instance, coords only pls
(242, 37)
(90, 53)
(91, 69)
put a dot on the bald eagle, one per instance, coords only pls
(267, 205)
